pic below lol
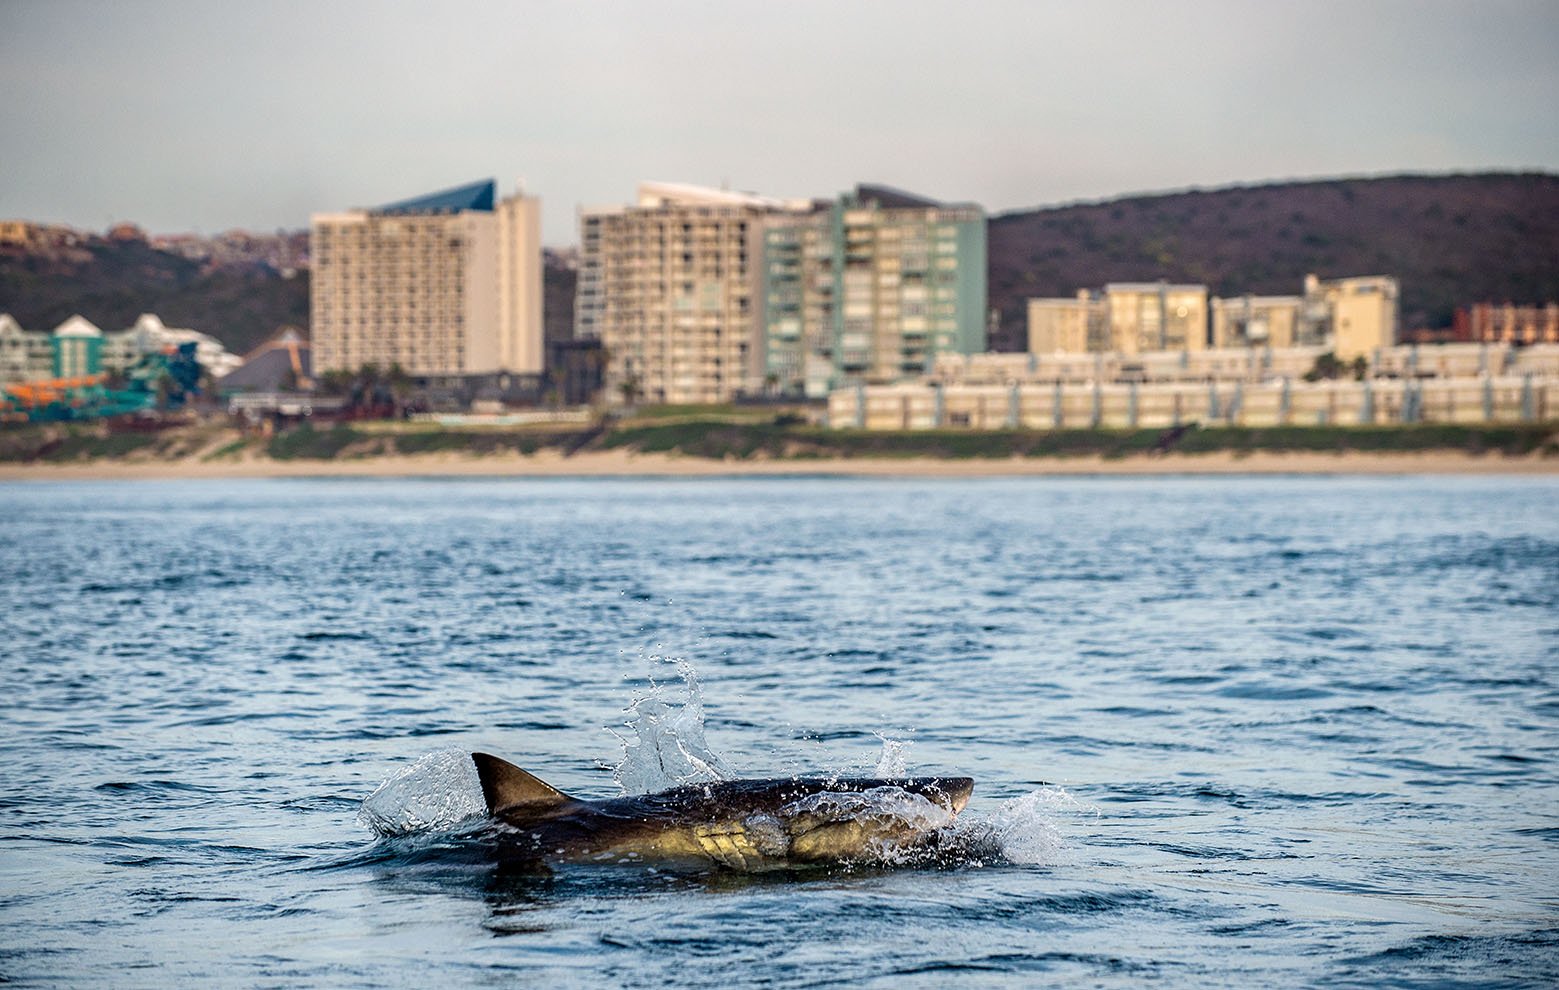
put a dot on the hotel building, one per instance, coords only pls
(1069, 326)
(666, 285)
(443, 285)
(870, 288)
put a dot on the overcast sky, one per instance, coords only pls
(208, 115)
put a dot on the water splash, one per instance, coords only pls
(436, 793)
(893, 761)
(667, 748)
(1024, 831)
(1025, 828)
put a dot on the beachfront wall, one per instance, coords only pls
(1245, 364)
(1064, 405)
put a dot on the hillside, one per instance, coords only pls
(1451, 240)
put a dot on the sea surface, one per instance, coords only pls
(1226, 732)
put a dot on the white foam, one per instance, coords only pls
(1025, 827)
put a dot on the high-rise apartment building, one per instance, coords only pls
(870, 288)
(667, 286)
(443, 285)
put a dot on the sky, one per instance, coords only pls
(206, 116)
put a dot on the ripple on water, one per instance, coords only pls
(1531, 957)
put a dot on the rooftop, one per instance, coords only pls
(668, 193)
(889, 198)
(1154, 287)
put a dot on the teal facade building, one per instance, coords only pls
(870, 288)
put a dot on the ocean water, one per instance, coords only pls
(1230, 731)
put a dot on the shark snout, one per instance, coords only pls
(957, 790)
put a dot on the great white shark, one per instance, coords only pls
(746, 825)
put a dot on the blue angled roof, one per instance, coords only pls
(476, 196)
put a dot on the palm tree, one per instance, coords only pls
(629, 387)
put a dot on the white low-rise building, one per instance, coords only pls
(78, 347)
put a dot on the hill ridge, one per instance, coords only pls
(1256, 184)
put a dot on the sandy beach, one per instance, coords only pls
(619, 463)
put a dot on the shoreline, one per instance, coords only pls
(621, 463)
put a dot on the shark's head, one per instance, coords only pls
(950, 794)
(871, 819)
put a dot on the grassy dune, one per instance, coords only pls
(715, 437)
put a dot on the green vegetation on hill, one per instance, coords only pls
(1451, 240)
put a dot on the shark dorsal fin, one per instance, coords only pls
(506, 786)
